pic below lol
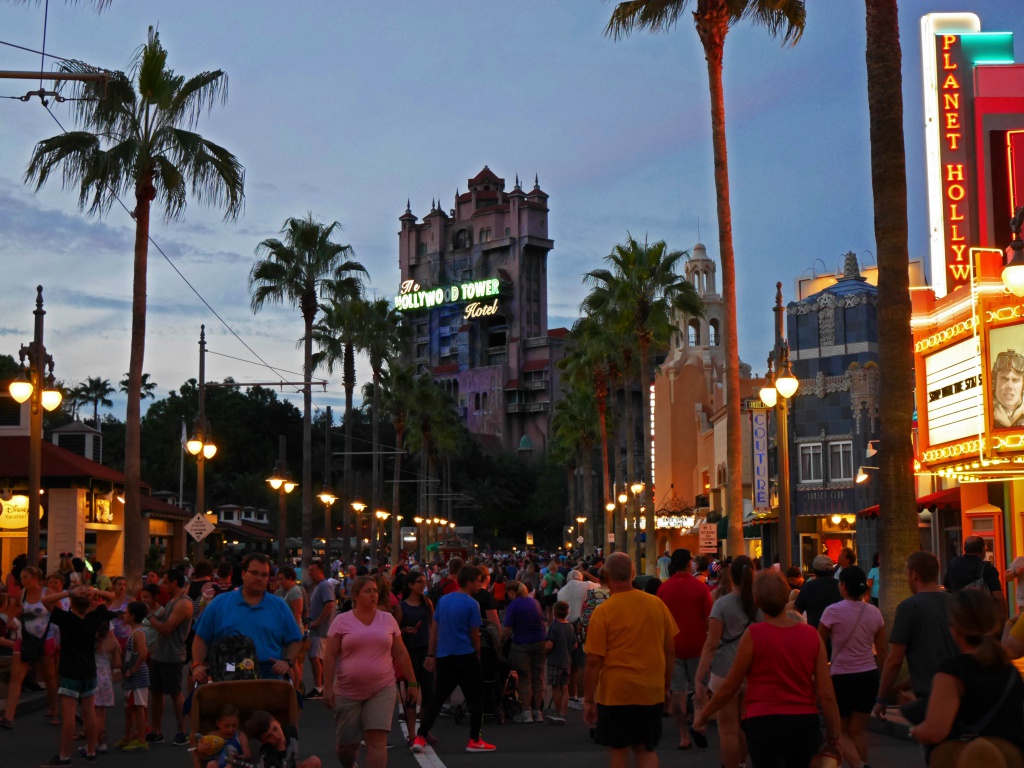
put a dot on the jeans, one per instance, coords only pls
(528, 662)
(457, 672)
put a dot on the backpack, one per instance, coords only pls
(233, 657)
(436, 592)
(594, 598)
(979, 583)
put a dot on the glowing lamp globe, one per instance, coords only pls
(209, 451)
(787, 384)
(21, 390)
(1013, 273)
(51, 399)
(769, 396)
(194, 445)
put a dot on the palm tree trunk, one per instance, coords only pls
(712, 28)
(136, 531)
(307, 442)
(601, 394)
(631, 545)
(396, 525)
(588, 494)
(647, 496)
(897, 534)
(348, 380)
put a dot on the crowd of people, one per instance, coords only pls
(786, 668)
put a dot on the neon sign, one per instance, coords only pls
(411, 296)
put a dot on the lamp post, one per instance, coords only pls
(636, 488)
(609, 526)
(583, 532)
(281, 482)
(37, 385)
(357, 508)
(420, 545)
(776, 392)
(327, 495)
(381, 515)
(200, 444)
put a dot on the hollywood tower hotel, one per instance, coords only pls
(474, 285)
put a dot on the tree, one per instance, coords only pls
(395, 392)
(301, 269)
(147, 387)
(897, 534)
(713, 18)
(575, 428)
(138, 138)
(382, 336)
(337, 336)
(94, 390)
(650, 296)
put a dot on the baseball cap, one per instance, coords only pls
(822, 563)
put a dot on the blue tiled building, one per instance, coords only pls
(833, 338)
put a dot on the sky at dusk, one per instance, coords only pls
(348, 109)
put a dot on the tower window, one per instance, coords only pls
(693, 333)
(715, 339)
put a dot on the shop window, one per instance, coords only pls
(840, 461)
(810, 463)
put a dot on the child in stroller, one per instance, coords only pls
(501, 694)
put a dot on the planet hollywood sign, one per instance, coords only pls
(412, 297)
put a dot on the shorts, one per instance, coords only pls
(684, 675)
(316, 647)
(557, 677)
(74, 688)
(136, 697)
(549, 600)
(629, 725)
(165, 677)
(855, 692)
(353, 717)
(579, 657)
(49, 648)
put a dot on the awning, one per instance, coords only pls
(947, 498)
(749, 531)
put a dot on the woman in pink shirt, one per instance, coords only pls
(786, 669)
(856, 629)
(363, 647)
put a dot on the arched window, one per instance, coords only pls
(462, 239)
(476, 401)
(715, 339)
(693, 333)
(483, 401)
(480, 238)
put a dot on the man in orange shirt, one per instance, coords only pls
(630, 656)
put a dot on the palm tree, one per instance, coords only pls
(433, 424)
(148, 387)
(336, 337)
(591, 361)
(382, 336)
(898, 533)
(395, 390)
(649, 295)
(574, 428)
(301, 269)
(95, 390)
(713, 19)
(138, 138)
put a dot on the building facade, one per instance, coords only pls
(474, 285)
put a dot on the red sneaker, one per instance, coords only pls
(419, 744)
(479, 745)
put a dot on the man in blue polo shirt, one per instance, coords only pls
(251, 611)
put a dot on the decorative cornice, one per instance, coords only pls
(828, 300)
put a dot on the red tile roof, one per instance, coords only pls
(447, 368)
(161, 510)
(246, 530)
(57, 461)
(535, 365)
(486, 175)
(512, 384)
(558, 333)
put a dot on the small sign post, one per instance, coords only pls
(199, 527)
(708, 538)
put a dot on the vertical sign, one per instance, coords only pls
(955, 78)
(759, 443)
(708, 538)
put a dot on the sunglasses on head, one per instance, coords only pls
(1009, 359)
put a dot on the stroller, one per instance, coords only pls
(501, 684)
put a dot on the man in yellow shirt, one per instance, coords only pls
(630, 656)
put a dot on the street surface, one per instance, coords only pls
(34, 741)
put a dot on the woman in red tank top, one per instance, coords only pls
(786, 669)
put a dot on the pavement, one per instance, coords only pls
(34, 741)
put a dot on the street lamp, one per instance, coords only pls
(201, 443)
(328, 498)
(421, 544)
(775, 394)
(281, 482)
(35, 384)
(862, 474)
(582, 532)
(381, 515)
